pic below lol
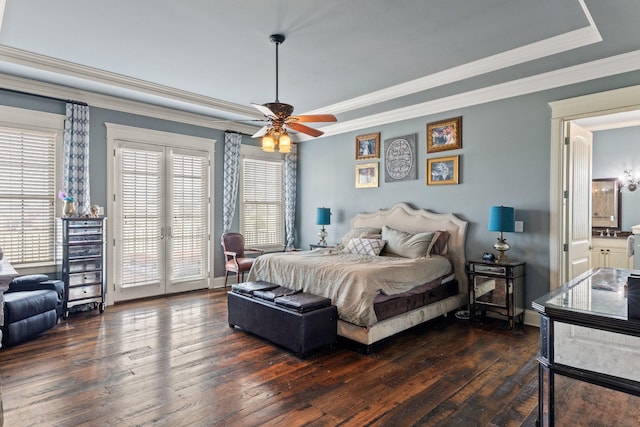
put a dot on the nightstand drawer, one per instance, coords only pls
(494, 269)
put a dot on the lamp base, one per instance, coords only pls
(323, 236)
(501, 246)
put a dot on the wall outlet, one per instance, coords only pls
(519, 228)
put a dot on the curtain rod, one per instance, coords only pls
(45, 97)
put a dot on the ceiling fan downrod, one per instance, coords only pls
(277, 39)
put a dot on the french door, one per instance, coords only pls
(161, 232)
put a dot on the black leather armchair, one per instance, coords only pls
(32, 305)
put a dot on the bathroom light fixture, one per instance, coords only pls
(502, 218)
(629, 183)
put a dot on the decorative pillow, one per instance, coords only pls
(364, 246)
(358, 232)
(408, 245)
(439, 245)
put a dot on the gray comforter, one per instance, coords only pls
(351, 281)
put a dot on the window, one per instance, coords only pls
(261, 205)
(28, 185)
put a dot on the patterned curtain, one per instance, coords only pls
(289, 190)
(76, 156)
(232, 142)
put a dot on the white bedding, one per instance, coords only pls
(351, 281)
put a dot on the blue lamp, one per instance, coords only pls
(502, 218)
(323, 217)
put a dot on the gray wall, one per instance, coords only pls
(614, 151)
(504, 159)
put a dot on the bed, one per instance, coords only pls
(368, 289)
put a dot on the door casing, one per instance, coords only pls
(117, 132)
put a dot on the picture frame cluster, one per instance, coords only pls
(400, 159)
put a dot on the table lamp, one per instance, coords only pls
(323, 217)
(501, 218)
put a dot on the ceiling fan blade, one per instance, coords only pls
(261, 132)
(304, 129)
(314, 118)
(264, 110)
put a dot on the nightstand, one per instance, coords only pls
(497, 287)
(312, 247)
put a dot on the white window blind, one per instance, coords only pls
(27, 195)
(262, 217)
(188, 216)
(141, 208)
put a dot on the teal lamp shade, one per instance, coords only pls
(502, 218)
(323, 216)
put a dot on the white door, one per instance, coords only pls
(161, 221)
(578, 201)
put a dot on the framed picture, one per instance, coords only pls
(400, 160)
(368, 146)
(442, 170)
(367, 175)
(444, 135)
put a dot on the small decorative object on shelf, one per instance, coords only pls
(69, 208)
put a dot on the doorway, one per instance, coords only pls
(160, 213)
(605, 107)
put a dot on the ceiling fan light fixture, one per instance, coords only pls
(268, 143)
(284, 142)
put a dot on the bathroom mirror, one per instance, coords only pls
(605, 204)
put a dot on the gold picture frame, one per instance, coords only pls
(367, 175)
(443, 170)
(368, 146)
(444, 135)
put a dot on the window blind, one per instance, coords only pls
(141, 209)
(262, 216)
(27, 195)
(188, 216)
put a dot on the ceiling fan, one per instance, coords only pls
(279, 118)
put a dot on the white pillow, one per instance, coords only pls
(364, 246)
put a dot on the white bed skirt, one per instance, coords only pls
(393, 325)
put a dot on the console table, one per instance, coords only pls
(583, 328)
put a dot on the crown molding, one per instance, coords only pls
(58, 66)
(108, 102)
(576, 74)
(543, 48)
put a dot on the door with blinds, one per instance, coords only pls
(161, 231)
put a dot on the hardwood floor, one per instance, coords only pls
(174, 361)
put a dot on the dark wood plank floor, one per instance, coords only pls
(174, 361)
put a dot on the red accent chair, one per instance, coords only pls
(235, 259)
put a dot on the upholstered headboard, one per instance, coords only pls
(403, 217)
